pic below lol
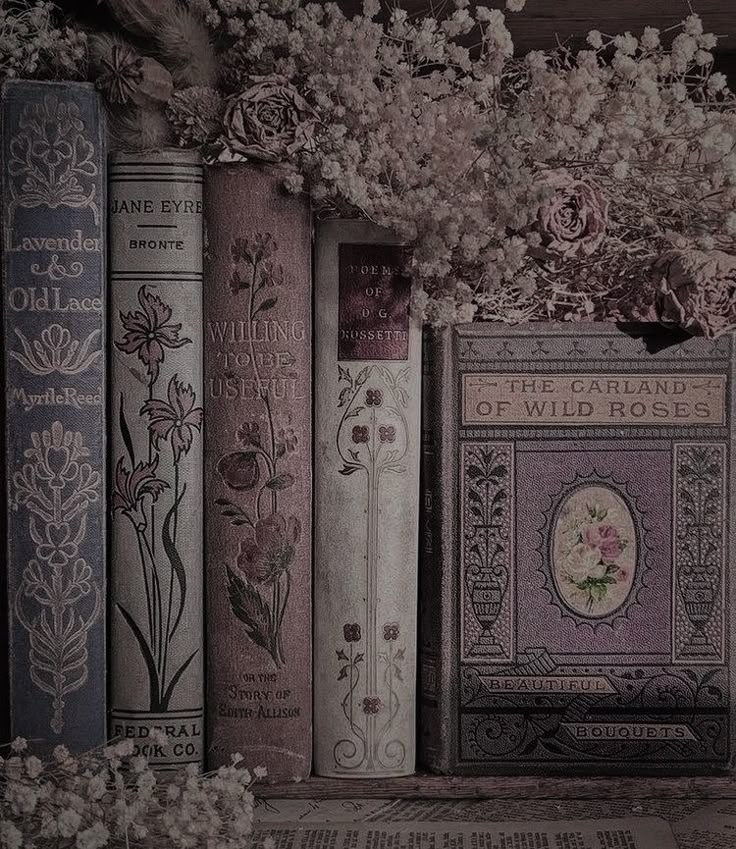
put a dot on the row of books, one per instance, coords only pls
(214, 521)
(159, 385)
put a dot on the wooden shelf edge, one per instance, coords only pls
(422, 786)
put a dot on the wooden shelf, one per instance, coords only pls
(422, 786)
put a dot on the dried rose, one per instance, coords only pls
(270, 121)
(572, 223)
(698, 291)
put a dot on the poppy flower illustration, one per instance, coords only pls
(360, 434)
(351, 632)
(387, 433)
(373, 397)
(391, 631)
(269, 550)
(177, 418)
(372, 705)
(149, 332)
(132, 487)
(239, 470)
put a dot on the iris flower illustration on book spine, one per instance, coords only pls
(254, 476)
(149, 486)
(372, 442)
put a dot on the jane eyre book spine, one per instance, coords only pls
(157, 652)
(258, 461)
(367, 373)
(578, 598)
(54, 246)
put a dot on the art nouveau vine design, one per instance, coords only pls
(259, 581)
(58, 599)
(51, 160)
(150, 499)
(372, 440)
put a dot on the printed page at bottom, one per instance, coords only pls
(713, 826)
(629, 833)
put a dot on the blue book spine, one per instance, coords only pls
(53, 217)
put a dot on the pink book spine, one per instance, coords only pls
(258, 489)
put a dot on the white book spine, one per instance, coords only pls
(156, 611)
(367, 448)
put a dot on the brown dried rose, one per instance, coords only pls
(270, 121)
(698, 291)
(572, 223)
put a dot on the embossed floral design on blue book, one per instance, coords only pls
(53, 181)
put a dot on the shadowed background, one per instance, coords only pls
(545, 23)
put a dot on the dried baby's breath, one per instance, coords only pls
(34, 44)
(110, 797)
(548, 187)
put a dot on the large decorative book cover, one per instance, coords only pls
(156, 610)
(576, 613)
(258, 470)
(53, 278)
(367, 375)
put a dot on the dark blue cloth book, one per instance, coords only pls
(53, 218)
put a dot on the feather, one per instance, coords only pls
(185, 48)
(139, 129)
(141, 17)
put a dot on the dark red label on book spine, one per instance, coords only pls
(375, 294)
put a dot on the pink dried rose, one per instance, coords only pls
(270, 121)
(572, 223)
(698, 291)
(605, 539)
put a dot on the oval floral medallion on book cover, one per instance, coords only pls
(594, 551)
